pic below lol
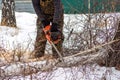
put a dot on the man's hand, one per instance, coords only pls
(55, 33)
(45, 23)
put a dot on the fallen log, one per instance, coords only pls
(34, 66)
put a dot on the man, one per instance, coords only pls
(48, 12)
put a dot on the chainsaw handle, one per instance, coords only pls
(46, 30)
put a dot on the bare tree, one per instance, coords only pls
(8, 13)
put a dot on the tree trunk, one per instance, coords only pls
(8, 13)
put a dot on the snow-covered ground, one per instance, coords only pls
(24, 36)
(12, 38)
(86, 72)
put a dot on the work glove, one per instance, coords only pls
(55, 33)
(45, 23)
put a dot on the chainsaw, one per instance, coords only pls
(47, 32)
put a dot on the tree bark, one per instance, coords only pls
(8, 13)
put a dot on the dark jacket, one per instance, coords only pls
(48, 8)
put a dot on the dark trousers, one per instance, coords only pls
(41, 40)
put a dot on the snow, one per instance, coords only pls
(24, 36)
(86, 72)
